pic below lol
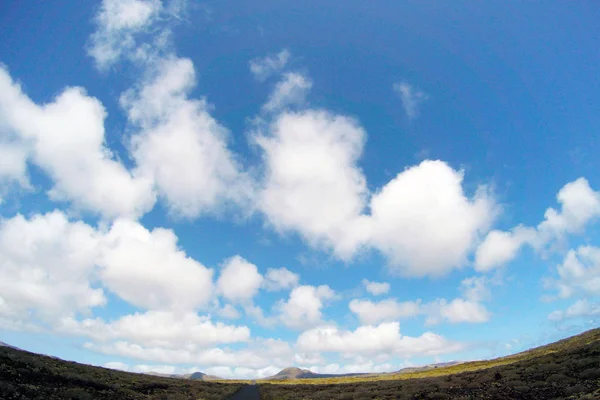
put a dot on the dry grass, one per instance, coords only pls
(565, 344)
(568, 369)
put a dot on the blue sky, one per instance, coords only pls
(237, 188)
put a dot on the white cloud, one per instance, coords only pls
(280, 278)
(459, 310)
(67, 139)
(456, 311)
(156, 369)
(176, 143)
(371, 313)
(372, 340)
(581, 308)
(376, 288)
(363, 367)
(118, 22)
(143, 368)
(13, 163)
(263, 68)
(258, 355)
(116, 365)
(312, 184)
(257, 313)
(46, 264)
(411, 97)
(161, 329)
(180, 145)
(579, 274)
(303, 308)
(242, 372)
(148, 269)
(475, 289)
(500, 247)
(228, 311)
(219, 371)
(290, 91)
(239, 280)
(579, 206)
(48, 267)
(423, 221)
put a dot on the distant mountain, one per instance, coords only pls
(201, 376)
(2, 344)
(426, 367)
(299, 373)
(196, 376)
(293, 373)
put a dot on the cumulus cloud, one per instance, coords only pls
(303, 307)
(46, 268)
(579, 274)
(465, 309)
(291, 90)
(376, 288)
(220, 371)
(67, 139)
(258, 354)
(280, 278)
(239, 280)
(148, 269)
(118, 23)
(411, 98)
(13, 163)
(370, 313)
(500, 247)
(242, 372)
(228, 311)
(263, 68)
(49, 267)
(176, 143)
(162, 329)
(116, 365)
(476, 289)
(312, 184)
(456, 311)
(579, 205)
(258, 314)
(371, 340)
(155, 369)
(353, 367)
(180, 145)
(581, 308)
(423, 221)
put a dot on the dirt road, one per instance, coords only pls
(247, 392)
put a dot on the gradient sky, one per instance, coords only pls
(238, 187)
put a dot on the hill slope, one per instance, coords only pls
(298, 373)
(568, 369)
(25, 375)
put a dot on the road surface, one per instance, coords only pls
(247, 392)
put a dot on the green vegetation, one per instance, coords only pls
(569, 369)
(26, 376)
